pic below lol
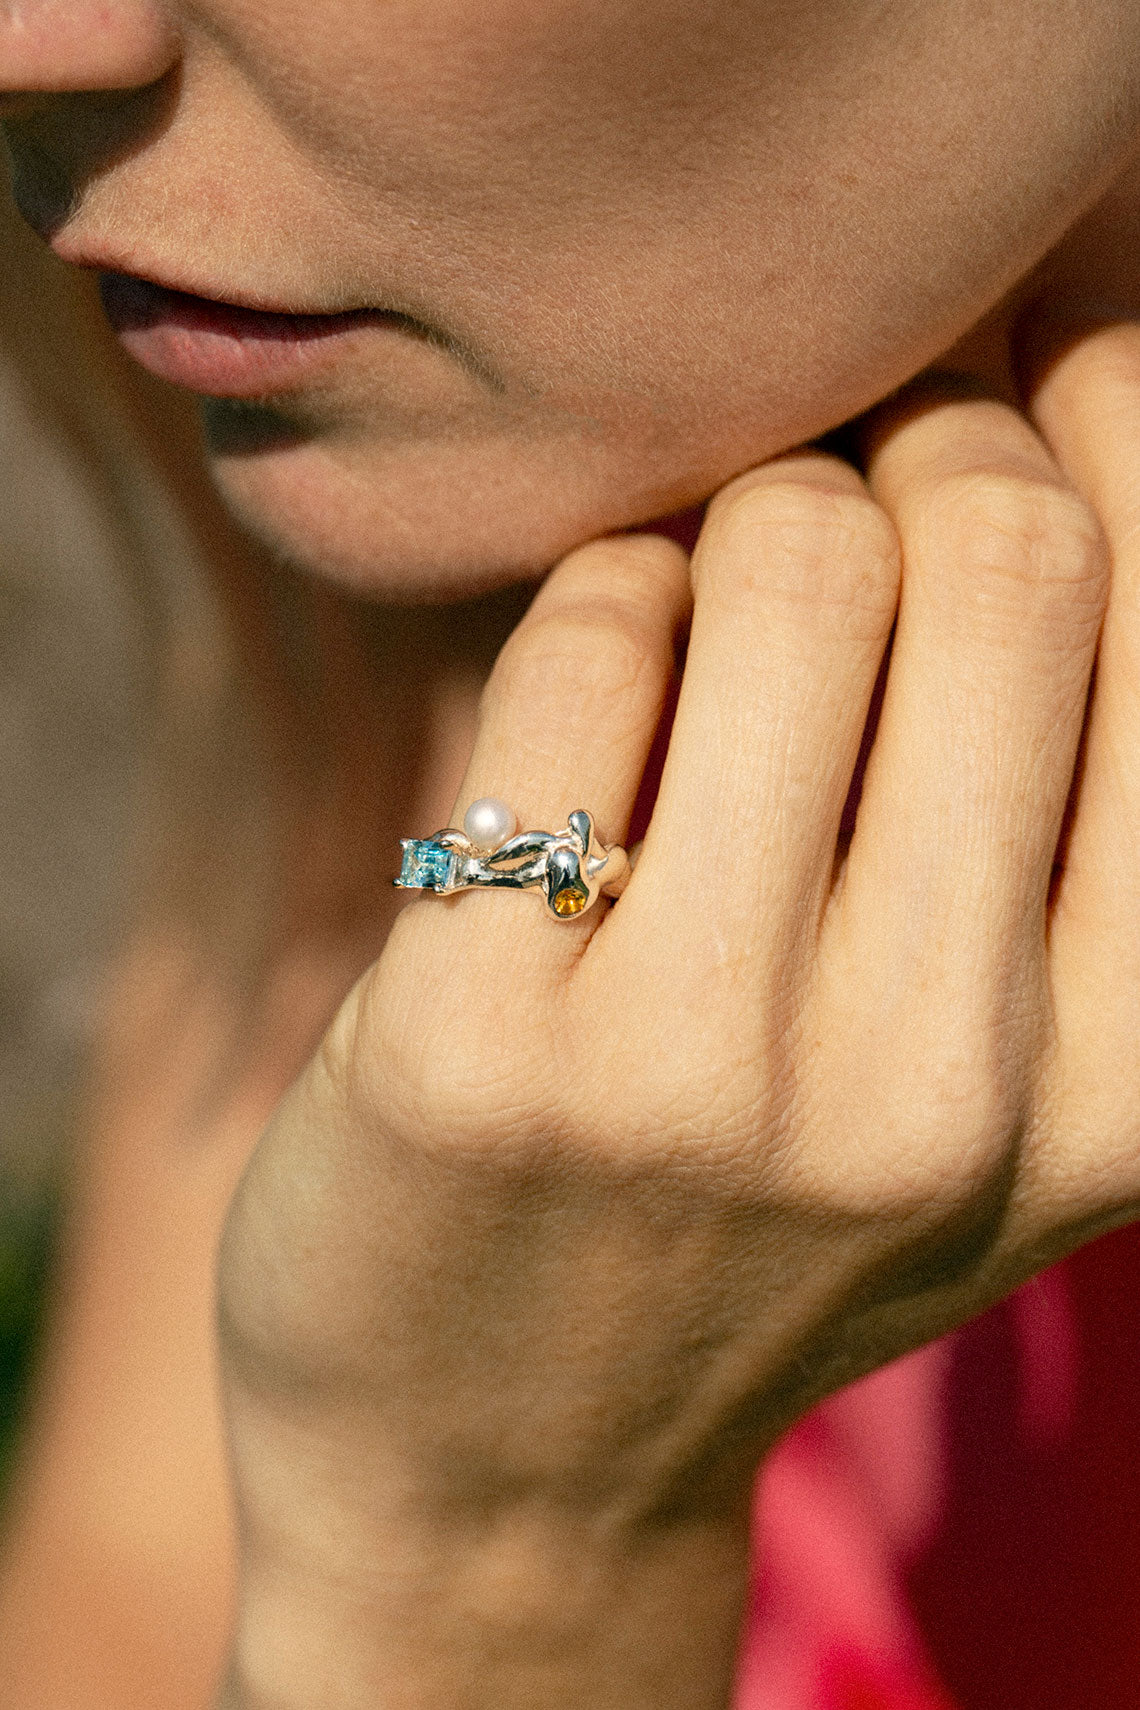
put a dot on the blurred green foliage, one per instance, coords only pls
(26, 1231)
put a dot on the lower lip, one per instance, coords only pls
(217, 349)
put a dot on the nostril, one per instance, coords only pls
(56, 47)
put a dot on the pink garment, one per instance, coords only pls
(962, 1530)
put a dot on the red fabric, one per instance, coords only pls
(962, 1530)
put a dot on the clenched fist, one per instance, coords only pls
(566, 1222)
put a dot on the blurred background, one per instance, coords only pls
(99, 569)
(69, 716)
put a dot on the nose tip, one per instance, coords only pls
(55, 47)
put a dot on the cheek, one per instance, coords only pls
(502, 493)
(518, 119)
(411, 94)
(670, 289)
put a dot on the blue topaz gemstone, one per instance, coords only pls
(427, 865)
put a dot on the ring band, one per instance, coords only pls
(571, 868)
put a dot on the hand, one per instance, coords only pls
(566, 1222)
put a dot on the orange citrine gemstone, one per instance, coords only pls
(569, 902)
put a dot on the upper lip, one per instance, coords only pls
(95, 259)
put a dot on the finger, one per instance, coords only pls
(1084, 392)
(795, 579)
(568, 716)
(1004, 581)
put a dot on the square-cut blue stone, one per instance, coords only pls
(426, 864)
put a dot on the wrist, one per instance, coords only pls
(376, 1598)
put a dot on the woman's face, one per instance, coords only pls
(575, 261)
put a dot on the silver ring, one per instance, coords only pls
(571, 868)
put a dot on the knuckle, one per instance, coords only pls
(1111, 356)
(1106, 365)
(633, 569)
(946, 1108)
(634, 585)
(604, 619)
(714, 1107)
(444, 1080)
(958, 1122)
(401, 1046)
(803, 544)
(1018, 538)
(598, 650)
(475, 1107)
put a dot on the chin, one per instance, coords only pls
(435, 522)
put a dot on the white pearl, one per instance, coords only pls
(489, 822)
